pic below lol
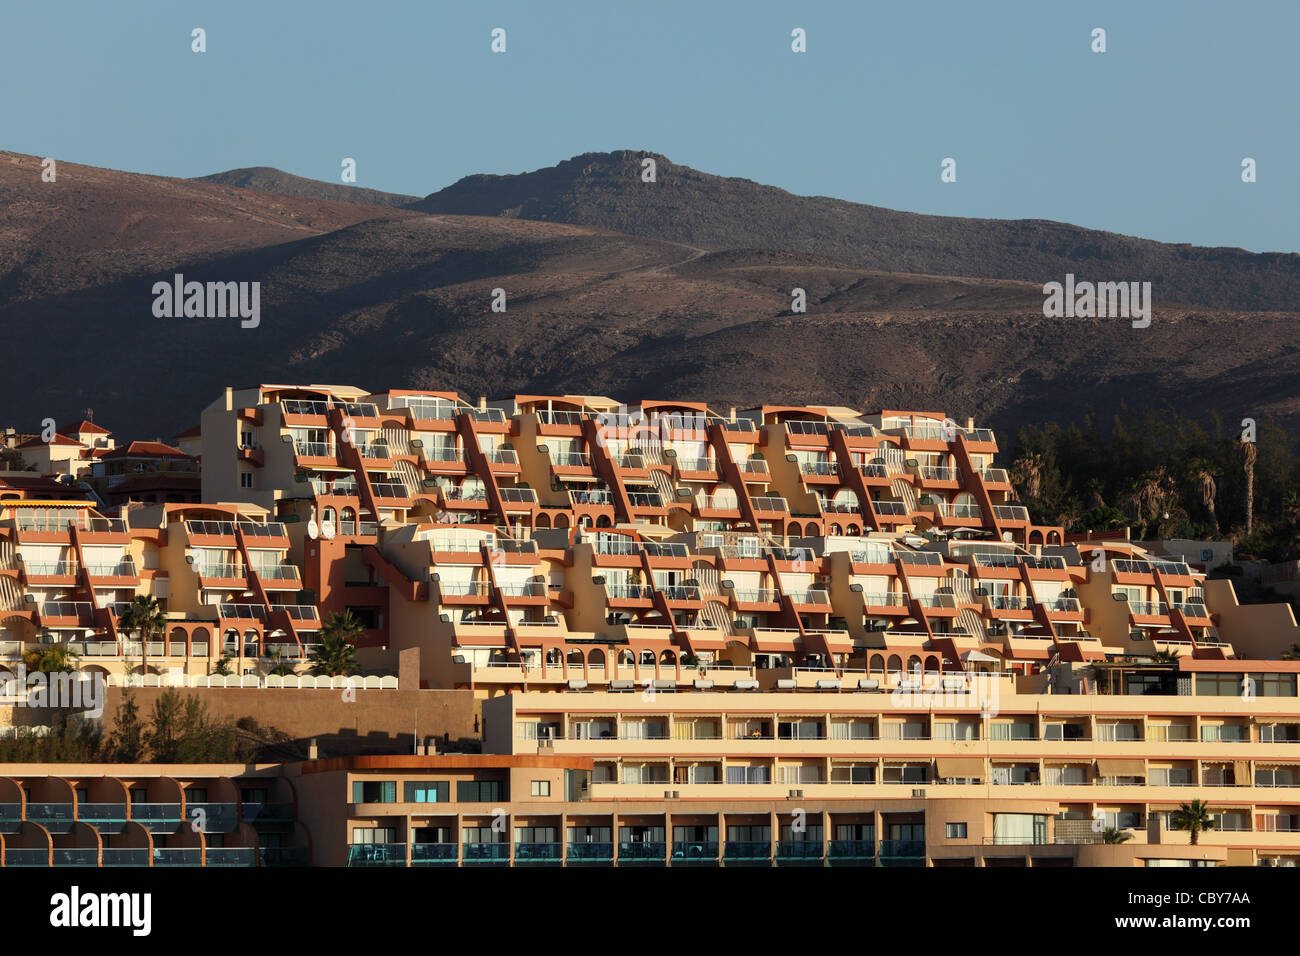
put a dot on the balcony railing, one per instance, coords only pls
(359, 409)
(390, 489)
(821, 468)
(995, 476)
(594, 496)
(645, 499)
(122, 569)
(1152, 608)
(301, 406)
(883, 507)
(560, 416)
(59, 569)
(940, 473)
(502, 456)
(770, 503)
(756, 595)
(518, 495)
(314, 449)
(1010, 513)
(222, 571)
(254, 529)
(571, 459)
(282, 572)
(428, 409)
(629, 592)
(219, 528)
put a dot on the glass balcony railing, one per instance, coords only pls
(846, 850)
(795, 850)
(126, 856)
(591, 852)
(377, 854)
(693, 851)
(641, 852)
(55, 817)
(231, 856)
(284, 856)
(746, 850)
(538, 852)
(433, 854)
(21, 856)
(490, 853)
(157, 817)
(177, 856)
(301, 406)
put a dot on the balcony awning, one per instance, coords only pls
(979, 657)
(769, 643)
(959, 767)
(695, 643)
(1112, 767)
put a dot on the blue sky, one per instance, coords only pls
(1145, 139)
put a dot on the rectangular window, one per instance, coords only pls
(246, 479)
(955, 831)
(424, 791)
(374, 791)
(541, 788)
(479, 791)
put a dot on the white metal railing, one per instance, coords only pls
(359, 409)
(695, 464)
(313, 449)
(570, 459)
(753, 466)
(882, 507)
(884, 598)
(810, 596)
(770, 503)
(1063, 604)
(978, 434)
(375, 451)
(1157, 608)
(524, 589)
(122, 569)
(425, 408)
(628, 592)
(464, 588)
(940, 473)
(820, 468)
(756, 595)
(60, 569)
(502, 456)
(76, 609)
(224, 571)
(485, 414)
(280, 572)
(995, 476)
(1011, 512)
(874, 470)
(593, 496)
(718, 502)
(802, 426)
(270, 529)
(231, 610)
(441, 453)
(919, 557)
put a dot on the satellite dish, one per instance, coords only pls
(327, 530)
(1006, 535)
(313, 530)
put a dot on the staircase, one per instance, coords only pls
(717, 614)
(971, 621)
(903, 490)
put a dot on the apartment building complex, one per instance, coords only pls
(709, 626)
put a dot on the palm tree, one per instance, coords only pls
(337, 653)
(279, 667)
(145, 617)
(1029, 473)
(1248, 460)
(1113, 835)
(1165, 657)
(1207, 489)
(50, 659)
(1195, 817)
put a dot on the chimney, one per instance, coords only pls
(313, 752)
(733, 413)
(482, 403)
(970, 423)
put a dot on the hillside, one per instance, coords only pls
(270, 180)
(684, 205)
(381, 297)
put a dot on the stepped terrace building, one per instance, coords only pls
(713, 621)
